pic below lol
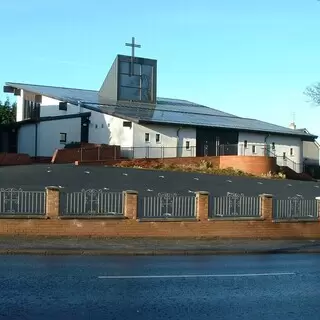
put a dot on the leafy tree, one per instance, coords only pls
(7, 112)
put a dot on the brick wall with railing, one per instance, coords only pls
(127, 215)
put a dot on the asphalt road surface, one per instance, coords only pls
(166, 287)
(148, 182)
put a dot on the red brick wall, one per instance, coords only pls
(250, 164)
(179, 229)
(10, 159)
(129, 226)
(86, 153)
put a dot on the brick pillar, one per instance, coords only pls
(202, 205)
(266, 206)
(52, 202)
(130, 208)
(318, 207)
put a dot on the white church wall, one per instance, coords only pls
(290, 146)
(49, 134)
(19, 112)
(26, 139)
(109, 130)
(50, 107)
(164, 141)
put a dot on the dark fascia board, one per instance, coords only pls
(301, 136)
(70, 101)
(83, 104)
(53, 118)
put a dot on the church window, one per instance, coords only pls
(127, 124)
(158, 138)
(188, 145)
(137, 86)
(291, 152)
(254, 149)
(63, 106)
(273, 146)
(147, 137)
(245, 143)
(31, 110)
(63, 137)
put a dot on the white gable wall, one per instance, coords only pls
(19, 114)
(172, 142)
(48, 136)
(109, 130)
(282, 144)
(50, 107)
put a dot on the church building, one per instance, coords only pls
(126, 111)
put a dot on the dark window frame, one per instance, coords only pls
(63, 140)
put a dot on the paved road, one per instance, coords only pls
(147, 182)
(211, 287)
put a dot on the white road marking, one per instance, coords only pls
(200, 275)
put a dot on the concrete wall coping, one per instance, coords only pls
(131, 192)
(266, 195)
(203, 193)
(53, 188)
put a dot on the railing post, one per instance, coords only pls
(52, 202)
(318, 207)
(130, 208)
(266, 206)
(202, 205)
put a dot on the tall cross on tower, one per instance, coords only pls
(132, 45)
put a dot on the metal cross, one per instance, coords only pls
(132, 45)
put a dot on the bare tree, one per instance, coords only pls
(313, 92)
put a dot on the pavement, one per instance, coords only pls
(163, 287)
(147, 182)
(151, 246)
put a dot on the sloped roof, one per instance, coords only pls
(166, 111)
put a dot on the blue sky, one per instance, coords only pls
(252, 58)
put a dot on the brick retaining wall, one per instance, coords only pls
(52, 224)
(256, 165)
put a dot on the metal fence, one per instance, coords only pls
(296, 208)
(92, 202)
(16, 201)
(235, 205)
(157, 152)
(167, 205)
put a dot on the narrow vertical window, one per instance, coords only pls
(291, 152)
(63, 137)
(253, 149)
(245, 143)
(188, 145)
(158, 140)
(147, 137)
